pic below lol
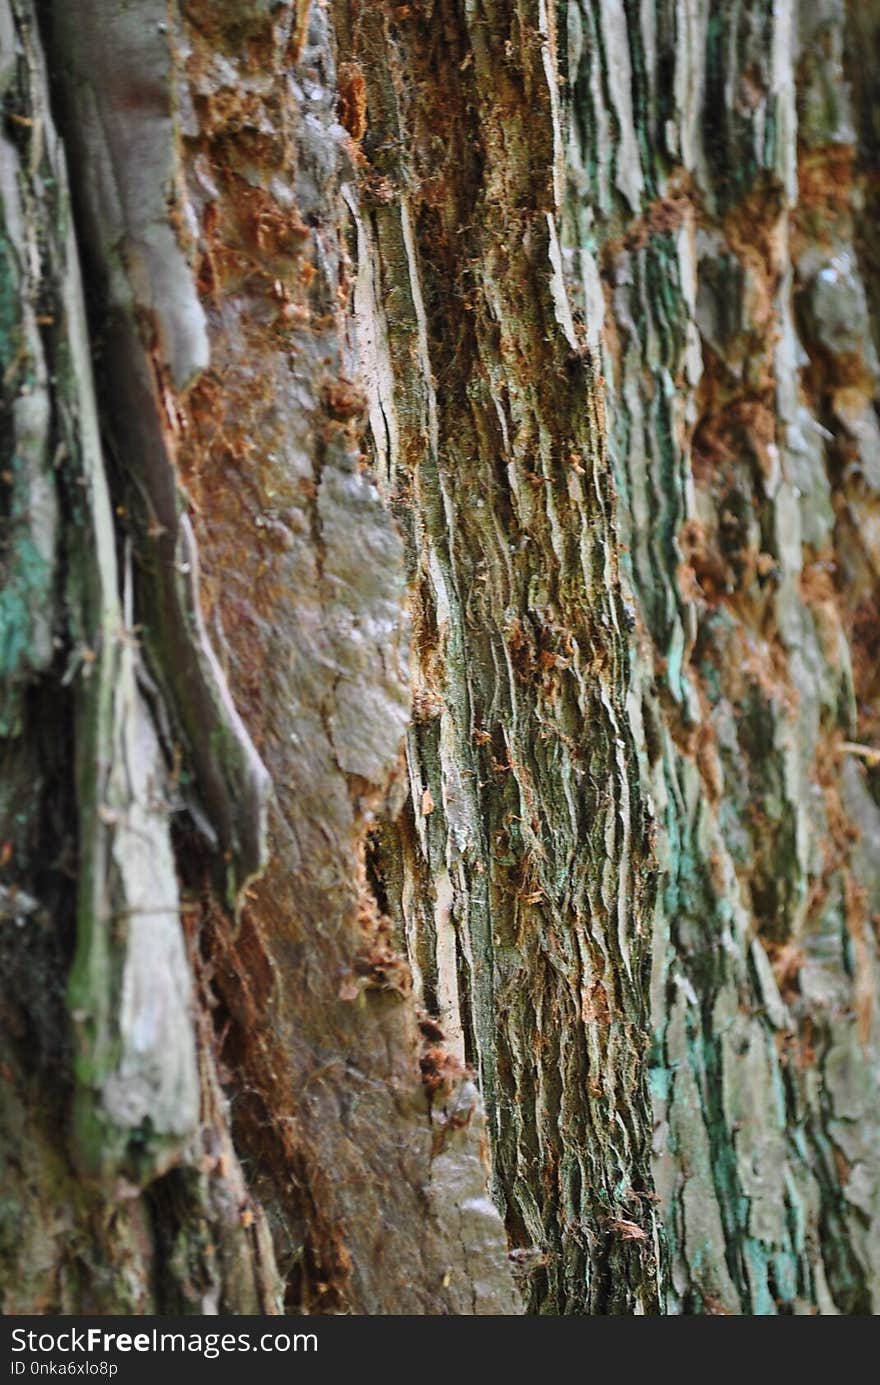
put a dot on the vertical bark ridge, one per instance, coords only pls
(717, 251)
(228, 628)
(77, 1234)
(516, 872)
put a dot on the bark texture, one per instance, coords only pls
(739, 352)
(206, 161)
(517, 870)
(440, 789)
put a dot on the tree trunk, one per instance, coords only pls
(440, 808)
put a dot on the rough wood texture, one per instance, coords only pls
(517, 868)
(439, 746)
(675, 188)
(207, 163)
(741, 375)
(90, 916)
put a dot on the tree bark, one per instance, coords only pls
(440, 798)
(741, 378)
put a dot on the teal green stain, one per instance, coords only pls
(674, 668)
(641, 112)
(26, 576)
(785, 1274)
(26, 581)
(800, 1143)
(659, 1083)
(704, 1254)
(757, 1260)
